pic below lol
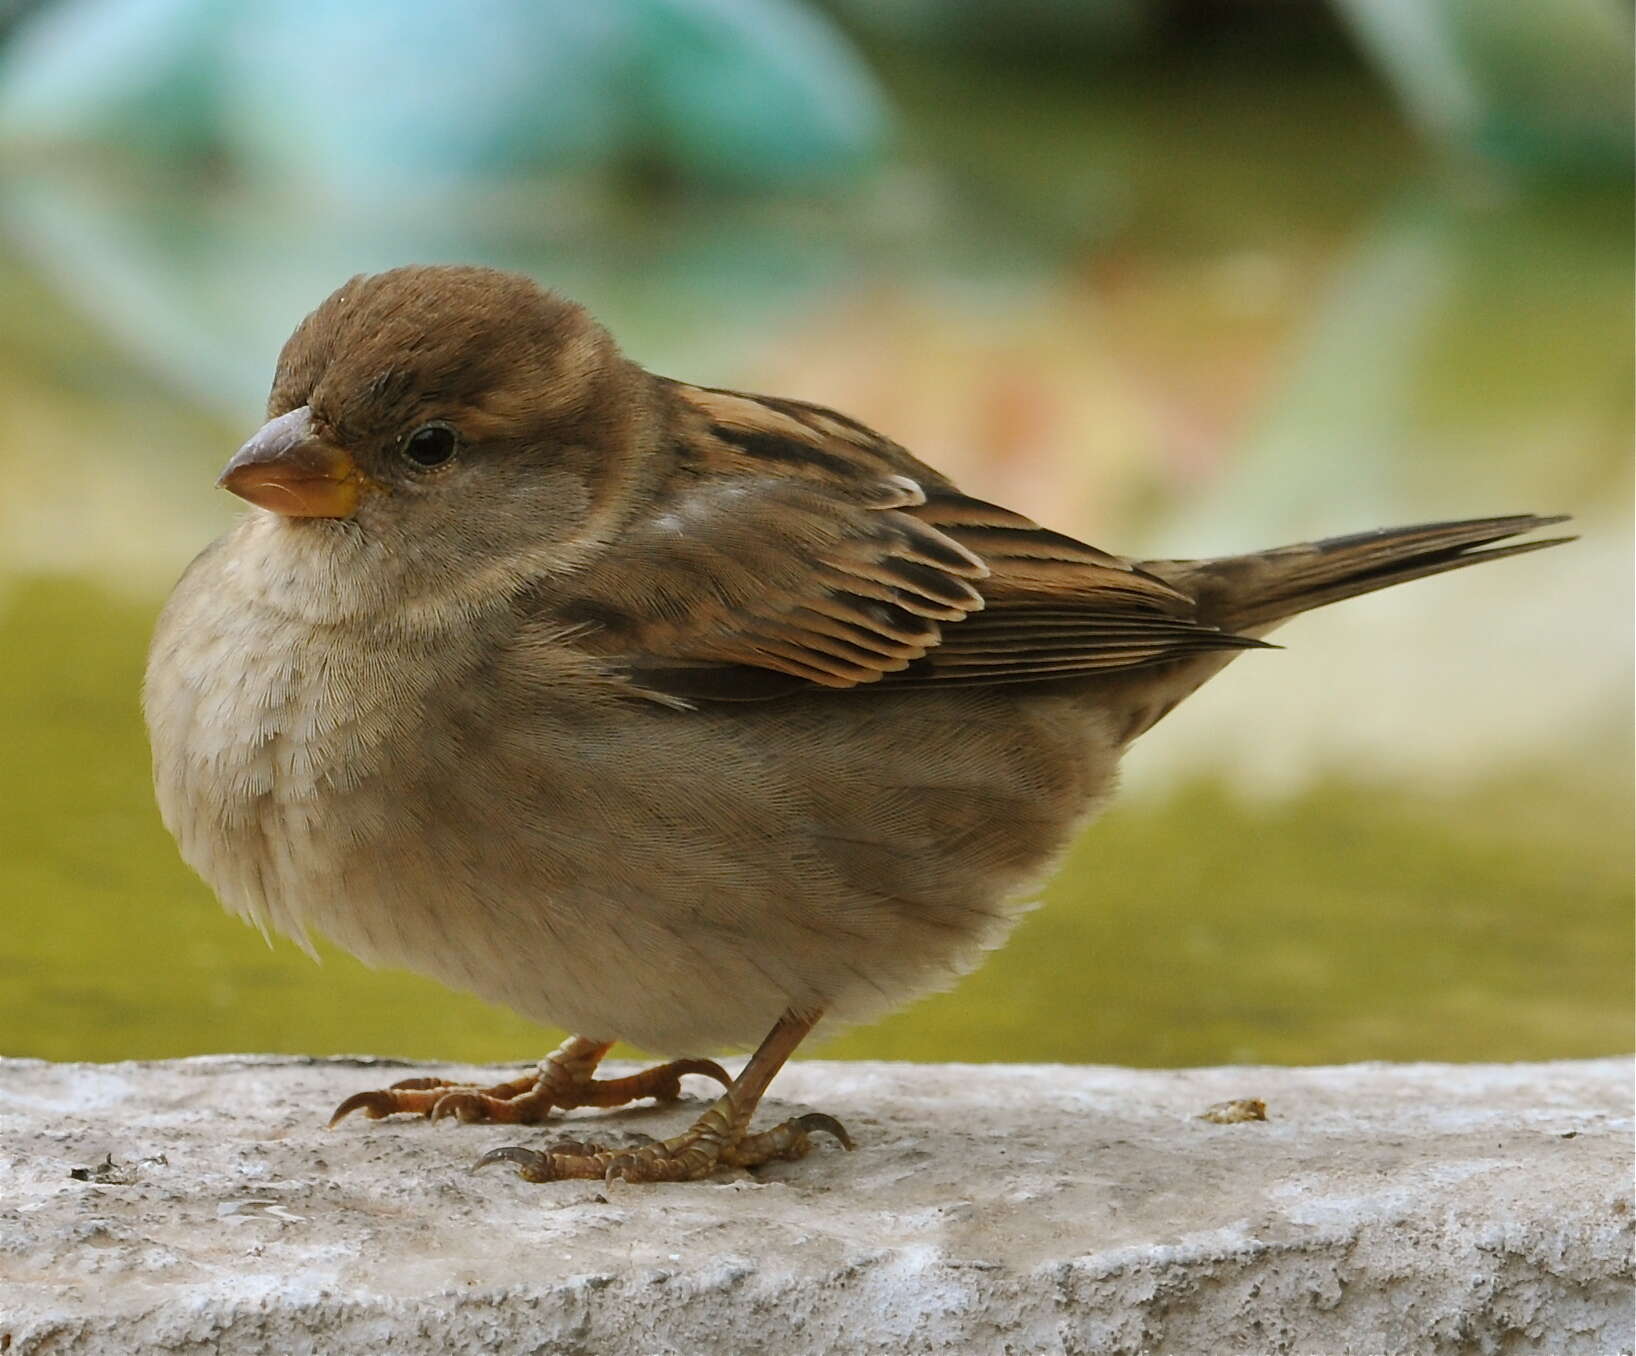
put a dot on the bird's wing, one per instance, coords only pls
(1055, 606)
(796, 548)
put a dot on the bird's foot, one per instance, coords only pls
(564, 1081)
(718, 1139)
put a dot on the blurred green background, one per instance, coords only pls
(1180, 278)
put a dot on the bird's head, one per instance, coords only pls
(459, 406)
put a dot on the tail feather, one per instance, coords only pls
(1252, 593)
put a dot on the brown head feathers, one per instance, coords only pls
(490, 351)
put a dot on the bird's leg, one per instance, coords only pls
(719, 1138)
(564, 1080)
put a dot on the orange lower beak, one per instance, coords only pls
(287, 468)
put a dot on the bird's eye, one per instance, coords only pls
(431, 445)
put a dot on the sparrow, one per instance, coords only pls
(657, 712)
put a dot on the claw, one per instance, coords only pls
(532, 1166)
(816, 1120)
(574, 1146)
(375, 1104)
(461, 1105)
(708, 1067)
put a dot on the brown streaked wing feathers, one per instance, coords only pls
(800, 549)
(779, 574)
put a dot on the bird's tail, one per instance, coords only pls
(1250, 594)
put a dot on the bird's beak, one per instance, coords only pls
(288, 468)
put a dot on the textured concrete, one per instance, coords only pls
(1422, 1209)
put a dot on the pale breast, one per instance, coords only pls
(268, 735)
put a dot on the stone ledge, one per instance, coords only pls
(988, 1208)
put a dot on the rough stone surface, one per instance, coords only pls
(1422, 1208)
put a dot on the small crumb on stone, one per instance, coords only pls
(105, 1173)
(1235, 1112)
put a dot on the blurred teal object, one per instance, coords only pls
(750, 92)
(380, 99)
(1084, 28)
(1541, 86)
